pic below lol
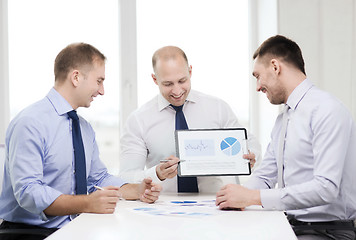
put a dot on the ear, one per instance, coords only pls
(190, 70)
(276, 66)
(74, 77)
(154, 78)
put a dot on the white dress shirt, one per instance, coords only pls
(149, 137)
(319, 159)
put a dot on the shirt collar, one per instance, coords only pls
(163, 103)
(59, 103)
(298, 93)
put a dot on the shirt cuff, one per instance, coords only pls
(151, 172)
(51, 195)
(271, 199)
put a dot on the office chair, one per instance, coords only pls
(16, 232)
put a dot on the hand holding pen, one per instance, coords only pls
(104, 200)
(167, 168)
(100, 188)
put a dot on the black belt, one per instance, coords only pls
(336, 225)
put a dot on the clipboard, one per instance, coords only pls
(212, 152)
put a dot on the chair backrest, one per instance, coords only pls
(2, 162)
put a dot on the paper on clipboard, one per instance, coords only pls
(209, 152)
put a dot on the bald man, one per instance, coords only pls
(149, 132)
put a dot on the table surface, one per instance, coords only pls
(126, 223)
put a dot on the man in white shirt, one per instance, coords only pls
(149, 133)
(313, 157)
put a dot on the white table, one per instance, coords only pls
(253, 223)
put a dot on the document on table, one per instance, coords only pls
(191, 209)
(209, 152)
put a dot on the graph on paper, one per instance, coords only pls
(205, 152)
(230, 146)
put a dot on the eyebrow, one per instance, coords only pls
(166, 82)
(183, 78)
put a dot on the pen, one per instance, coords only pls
(166, 160)
(183, 202)
(99, 188)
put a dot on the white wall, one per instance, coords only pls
(263, 24)
(325, 30)
(128, 60)
(4, 72)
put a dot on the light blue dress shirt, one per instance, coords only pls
(39, 164)
(319, 159)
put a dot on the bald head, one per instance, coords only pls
(167, 53)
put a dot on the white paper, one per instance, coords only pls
(191, 209)
(212, 152)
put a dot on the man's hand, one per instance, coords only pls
(149, 191)
(237, 196)
(103, 201)
(167, 169)
(250, 156)
(100, 201)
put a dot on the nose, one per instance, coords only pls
(258, 86)
(176, 89)
(101, 89)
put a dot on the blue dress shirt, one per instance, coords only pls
(319, 159)
(39, 164)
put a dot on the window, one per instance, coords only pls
(213, 34)
(38, 30)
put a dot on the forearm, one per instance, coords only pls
(133, 154)
(68, 205)
(132, 167)
(255, 198)
(308, 194)
(130, 191)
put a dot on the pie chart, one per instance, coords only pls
(230, 146)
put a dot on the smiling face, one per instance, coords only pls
(173, 79)
(90, 84)
(266, 74)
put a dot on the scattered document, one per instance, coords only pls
(202, 208)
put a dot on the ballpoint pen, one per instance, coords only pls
(99, 188)
(166, 160)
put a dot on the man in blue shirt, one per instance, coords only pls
(39, 179)
(311, 155)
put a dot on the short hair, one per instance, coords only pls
(76, 56)
(166, 53)
(284, 48)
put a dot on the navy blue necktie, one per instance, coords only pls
(79, 155)
(185, 184)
